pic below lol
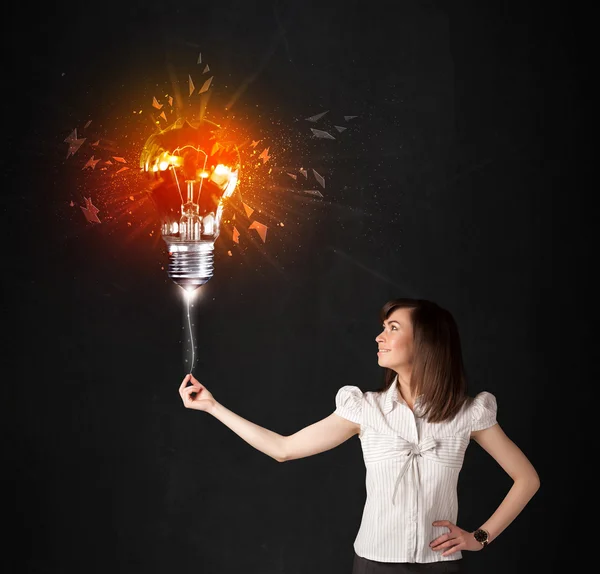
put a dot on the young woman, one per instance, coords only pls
(414, 434)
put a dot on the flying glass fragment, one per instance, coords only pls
(74, 142)
(206, 85)
(265, 155)
(155, 103)
(91, 163)
(248, 210)
(260, 229)
(316, 117)
(349, 117)
(191, 84)
(322, 134)
(340, 128)
(319, 178)
(90, 211)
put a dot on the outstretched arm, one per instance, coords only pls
(318, 437)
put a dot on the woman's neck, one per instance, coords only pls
(403, 382)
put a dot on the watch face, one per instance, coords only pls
(480, 535)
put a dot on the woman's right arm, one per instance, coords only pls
(318, 437)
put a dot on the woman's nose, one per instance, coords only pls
(379, 338)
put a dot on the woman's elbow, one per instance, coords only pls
(282, 454)
(533, 479)
(285, 456)
(530, 481)
(288, 450)
(535, 482)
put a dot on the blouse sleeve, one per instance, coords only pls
(483, 411)
(348, 403)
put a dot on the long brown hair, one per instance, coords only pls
(438, 371)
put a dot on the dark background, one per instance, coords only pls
(462, 183)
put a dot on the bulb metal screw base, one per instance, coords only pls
(191, 263)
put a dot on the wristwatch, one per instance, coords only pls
(481, 536)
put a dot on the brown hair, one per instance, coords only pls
(438, 370)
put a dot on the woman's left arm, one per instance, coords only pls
(526, 480)
(526, 483)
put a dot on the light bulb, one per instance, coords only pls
(194, 169)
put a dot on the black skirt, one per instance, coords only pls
(364, 566)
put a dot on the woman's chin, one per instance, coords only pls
(381, 361)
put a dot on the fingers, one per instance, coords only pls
(191, 393)
(187, 393)
(448, 543)
(446, 539)
(197, 384)
(443, 523)
(184, 382)
(451, 546)
(189, 377)
(439, 540)
(454, 549)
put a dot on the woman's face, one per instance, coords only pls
(395, 342)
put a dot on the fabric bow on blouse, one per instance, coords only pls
(412, 450)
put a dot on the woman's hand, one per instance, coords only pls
(195, 396)
(454, 540)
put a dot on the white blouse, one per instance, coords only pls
(412, 469)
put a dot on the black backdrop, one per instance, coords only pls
(457, 185)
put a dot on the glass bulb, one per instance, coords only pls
(194, 169)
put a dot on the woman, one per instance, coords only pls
(414, 434)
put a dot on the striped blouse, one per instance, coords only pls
(412, 469)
